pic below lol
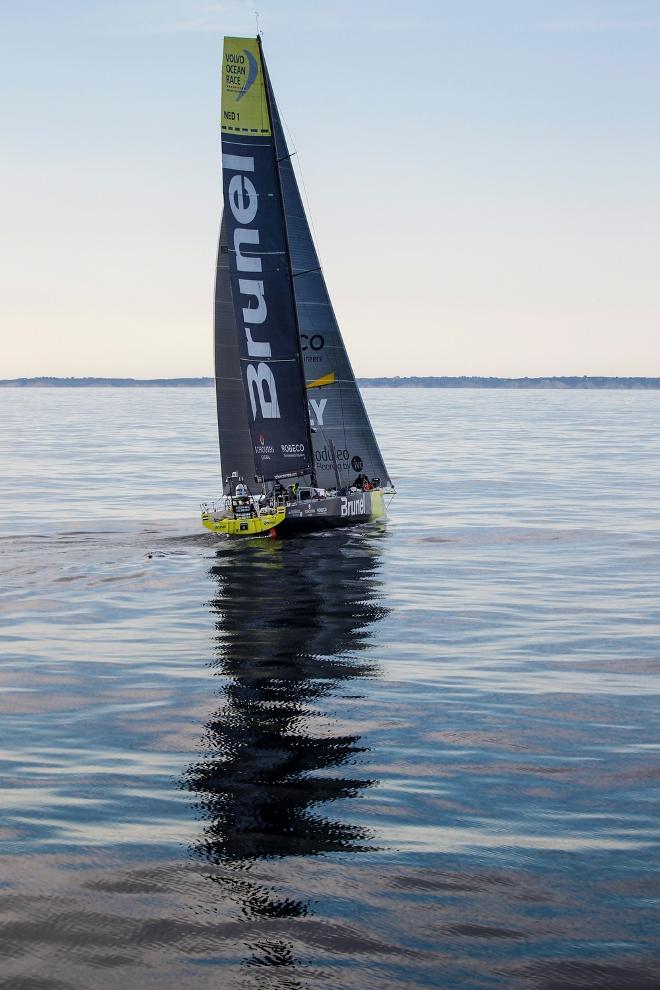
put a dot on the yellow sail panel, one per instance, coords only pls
(244, 106)
(318, 382)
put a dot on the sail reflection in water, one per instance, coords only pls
(292, 619)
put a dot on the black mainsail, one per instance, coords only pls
(264, 327)
(288, 402)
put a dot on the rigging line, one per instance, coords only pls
(285, 158)
(306, 271)
(304, 187)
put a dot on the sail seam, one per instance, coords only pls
(272, 360)
(305, 272)
(246, 130)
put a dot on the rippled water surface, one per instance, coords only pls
(419, 754)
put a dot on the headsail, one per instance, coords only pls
(337, 412)
(265, 326)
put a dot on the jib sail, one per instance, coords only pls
(261, 343)
(336, 410)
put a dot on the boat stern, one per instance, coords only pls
(224, 523)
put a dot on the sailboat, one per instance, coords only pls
(296, 446)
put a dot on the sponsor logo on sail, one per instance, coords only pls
(244, 104)
(357, 463)
(316, 411)
(264, 449)
(324, 463)
(241, 70)
(292, 449)
(312, 342)
(252, 74)
(243, 200)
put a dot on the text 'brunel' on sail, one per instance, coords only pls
(289, 408)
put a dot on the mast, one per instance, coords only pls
(301, 364)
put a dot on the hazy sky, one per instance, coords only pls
(484, 180)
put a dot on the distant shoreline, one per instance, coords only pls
(557, 382)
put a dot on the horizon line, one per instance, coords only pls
(428, 381)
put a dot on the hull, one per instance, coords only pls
(329, 513)
(303, 517)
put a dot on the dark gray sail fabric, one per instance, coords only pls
(236, 453)
(263, 307)
(337, 412)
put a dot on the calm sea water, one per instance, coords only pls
(420, 754)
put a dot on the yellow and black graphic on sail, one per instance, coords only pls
(320, 382)
(244, 105)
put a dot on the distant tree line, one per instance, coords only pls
(45, 382)
(429, 381)
(475, 381)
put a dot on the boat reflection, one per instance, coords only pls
(292, 619)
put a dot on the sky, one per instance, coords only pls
(482, 177)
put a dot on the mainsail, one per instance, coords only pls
(264, 324)
(338, 416)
